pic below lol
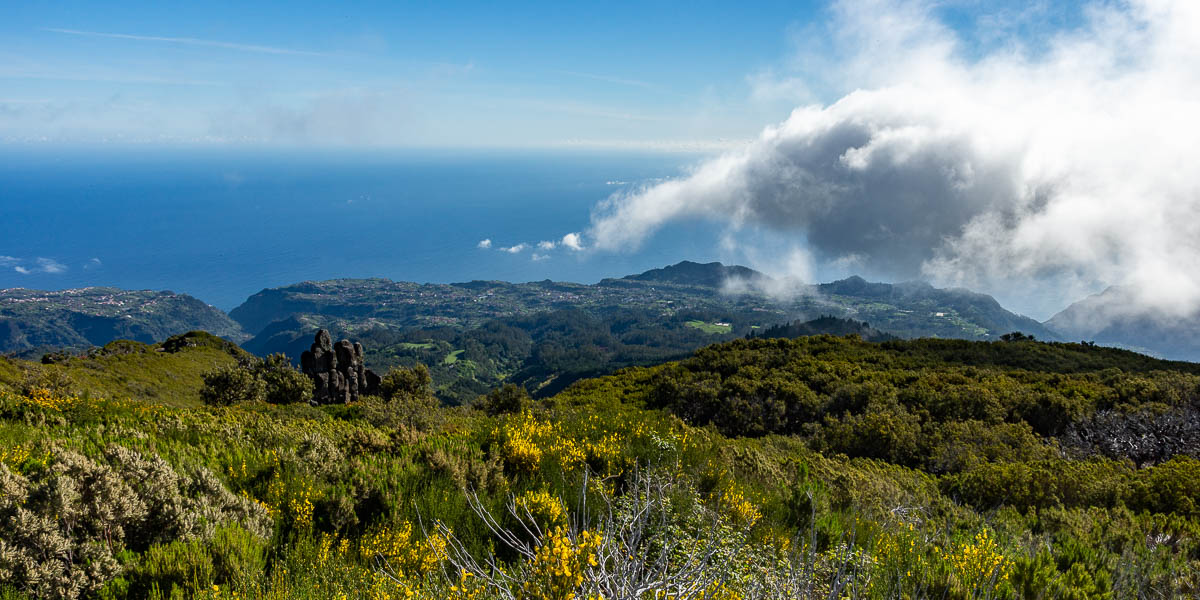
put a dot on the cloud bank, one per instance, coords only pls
(1070, 166)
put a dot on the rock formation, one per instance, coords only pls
(337, 371)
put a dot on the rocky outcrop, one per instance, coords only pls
(337, 371)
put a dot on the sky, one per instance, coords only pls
(669, 76)
(1039, 151)
(1038, 167)
(445, 74)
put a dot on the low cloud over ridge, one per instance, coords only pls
(1071, 166)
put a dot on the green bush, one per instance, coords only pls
(231, 556)
(283, 383)
(230, 385)
(508, 399)
(404, 383)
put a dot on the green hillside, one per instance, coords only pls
(34, 321)
(769, 468)
(544, 335)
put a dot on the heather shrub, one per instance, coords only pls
(49, 378)
(63, 526)
(232, 555)
(61, 529)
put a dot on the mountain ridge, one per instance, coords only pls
(1114, 317)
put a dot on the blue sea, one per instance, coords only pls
(223, 224)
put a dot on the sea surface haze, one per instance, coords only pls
(221, 224)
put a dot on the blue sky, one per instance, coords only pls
(639, 75)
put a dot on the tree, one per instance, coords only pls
(1017, 336)
(510, 399)
(401, 383)
(232, 385)
(283, 383)
(408, 400)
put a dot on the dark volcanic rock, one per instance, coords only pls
(337, 370)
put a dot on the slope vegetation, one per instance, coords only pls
(34, 321)
(811, 468)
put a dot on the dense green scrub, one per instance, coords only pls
(819, 467)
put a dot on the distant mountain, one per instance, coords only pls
(32, 321)
(545, 334)
(917, 309)
(1114, 317)
(712, 274)
(289, 336)
(907, 310)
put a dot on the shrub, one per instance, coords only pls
(282, 382)
(510, 399)
(418, 413)
(190, 566)
(232, 385)
(407, 400)
(403, 383)
(62, 528)
(58, 534)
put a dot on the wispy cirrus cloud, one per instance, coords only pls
(187, 41)
(608, 79)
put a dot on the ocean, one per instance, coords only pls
(223, 224)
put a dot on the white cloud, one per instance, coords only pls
(546, 245)
(573, 241)
(92, 263)
(515, 249)
(40, 265)
(49, 265)
(540, 257)
(484, 244)
(1070, 167)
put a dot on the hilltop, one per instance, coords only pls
(713, 275)
(35, 321)
(917, 309)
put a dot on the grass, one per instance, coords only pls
(416, 346)
(452, 357)
(137, 375)
(711, 328)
